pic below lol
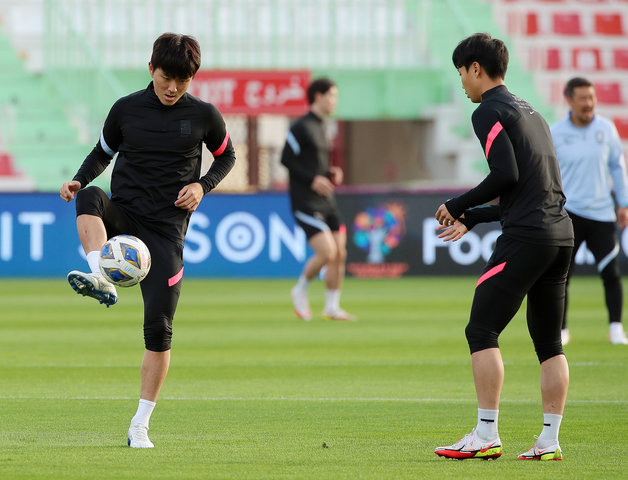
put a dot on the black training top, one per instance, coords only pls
(524, 173)
(306, 154)
(159, 152)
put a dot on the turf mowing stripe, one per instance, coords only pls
(311, 399)
(296, 364)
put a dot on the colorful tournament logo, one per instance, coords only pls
(377, 231)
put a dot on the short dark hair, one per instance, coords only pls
(491, 53)
(574, 83)
(177, 55)
(320, 85)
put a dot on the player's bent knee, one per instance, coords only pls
(548, 350)
(158, 336)
(480, 338)
(90, 201)
(327, 255)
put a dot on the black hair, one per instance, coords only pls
(177, 55)
(491, 53)
(574, 83)
(320, 85)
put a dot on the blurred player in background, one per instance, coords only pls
(312, 184)
(531, 256)
(590, 157)
(156, 184)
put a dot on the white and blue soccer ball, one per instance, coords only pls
(124, 260)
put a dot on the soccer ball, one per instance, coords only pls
(124, 260)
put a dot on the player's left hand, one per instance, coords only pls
(622, 217)
(452, 232)
(190, 197)
(336, 175)
(443, 216)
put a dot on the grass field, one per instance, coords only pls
(253, 393)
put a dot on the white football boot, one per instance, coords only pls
(617, 335)
(93, 285)
(551, 452)
(138, 437)
(301, 304)
(472, 446)
(565, 336)
(338, 315)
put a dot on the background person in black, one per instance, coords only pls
(156, 184)
(312, 183)
(531, 257)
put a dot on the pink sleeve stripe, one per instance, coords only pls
(176, 279)
(493, 271)
(491, 136)
(222, 147)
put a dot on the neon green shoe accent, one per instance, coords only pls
(489, 453)
(557, 455)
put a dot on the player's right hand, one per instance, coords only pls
(452, 232)
(622, 217)
(69, 189)
(322, 185)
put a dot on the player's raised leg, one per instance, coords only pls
(93, 236)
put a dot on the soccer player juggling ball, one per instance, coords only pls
(531, 256)
(155, 186)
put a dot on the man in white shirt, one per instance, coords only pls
(592, 168)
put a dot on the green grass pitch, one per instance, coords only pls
(254, 393)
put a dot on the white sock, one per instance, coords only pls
(92, 260)
(144, 411)
(616, 327)
(551, 425)
(487, 424)
(332, 300)
(302, 283)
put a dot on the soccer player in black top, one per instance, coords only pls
(312, 184)
(531, 257)
(155, 186)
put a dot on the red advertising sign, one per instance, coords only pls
(251, 92)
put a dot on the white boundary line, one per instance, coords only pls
(314, 399)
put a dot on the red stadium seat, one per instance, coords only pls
(6, 164)
(532, 23)
(608, 24)
(620, 58)
(622, 126)
(553, 59)
(608, 93)
(566, 24)
(587, 58)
